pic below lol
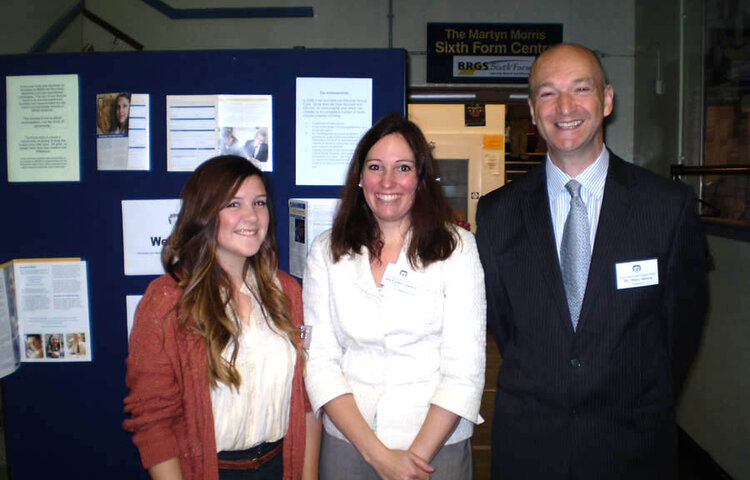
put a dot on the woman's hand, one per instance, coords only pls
(401, 465)
(436, 429)
(389, 464)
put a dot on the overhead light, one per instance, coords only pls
(443, 96)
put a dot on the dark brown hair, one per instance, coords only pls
(190, 257)
(355, 226)
(114, 123)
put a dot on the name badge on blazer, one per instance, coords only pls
(400, 279)
(640, 273)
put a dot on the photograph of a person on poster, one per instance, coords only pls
(76, 344)
(54, 346)
(120, 114)
(113, 113)
(34, 346)
(258, 148)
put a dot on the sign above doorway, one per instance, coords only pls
(486, 52)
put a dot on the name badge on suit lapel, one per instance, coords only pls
(400, 279)
(640, 273)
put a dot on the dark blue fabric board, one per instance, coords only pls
(65, 419)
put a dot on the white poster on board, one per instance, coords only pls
(308, 218)
(191, 130)
(146, 225)
(47, 309)
(131, 305)
(42, 127)
(203, 126)
(122, 131)
(332, 115)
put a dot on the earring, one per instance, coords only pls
(359, 185)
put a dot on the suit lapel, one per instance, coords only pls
(612, 221)
(538, 222)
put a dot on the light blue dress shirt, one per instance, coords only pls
(592, 191)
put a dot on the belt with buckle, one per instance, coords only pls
(251, 463)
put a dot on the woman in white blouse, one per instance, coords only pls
(395, 296)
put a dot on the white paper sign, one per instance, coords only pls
(42, 122)
(53, 310)
(332, 116)
(308, 218)
(122, 144)
(146, 225)
(131, 304)
(202, 126)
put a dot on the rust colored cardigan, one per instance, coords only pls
(170, 402)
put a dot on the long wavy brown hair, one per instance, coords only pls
(355, 226)
(190, 258)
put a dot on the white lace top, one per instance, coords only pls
(259, 411)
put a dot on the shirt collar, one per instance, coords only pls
(592, 179)
(248, 287)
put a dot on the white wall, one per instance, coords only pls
(713, 408)
(604, 26)
(716, 398)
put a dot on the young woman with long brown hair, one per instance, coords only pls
(215, 361)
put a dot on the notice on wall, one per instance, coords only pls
(308, 218)
(122, 131)
(203, 126)
(42, 126)
(332, 115)
(45, 305)
(146, 225)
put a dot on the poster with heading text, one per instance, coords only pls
(332, 115)
(146, 226)
(42, 126)
(487, 52)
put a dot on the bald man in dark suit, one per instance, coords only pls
(595, 272)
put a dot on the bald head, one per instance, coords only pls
(566, 50)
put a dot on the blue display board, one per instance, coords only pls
(65, 419)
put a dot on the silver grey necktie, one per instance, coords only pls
(575, 251)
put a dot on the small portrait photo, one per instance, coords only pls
(229, 143)
(53, 345)
(76, 344)
(112, 113)
(34, 348)
(257, 148)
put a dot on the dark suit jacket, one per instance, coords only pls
(262, 154)
(597, 403)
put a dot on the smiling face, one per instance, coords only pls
(389, 181)
(568, 104)
(243, 225)
(123, 110)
